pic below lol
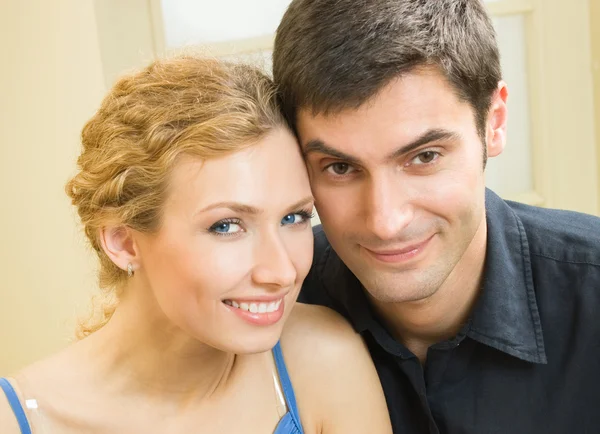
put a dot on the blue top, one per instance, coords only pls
(16, 406)
(289, 423)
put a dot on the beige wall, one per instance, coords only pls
(53, 75)
(50, 82)
(595, 32)
(126, 36)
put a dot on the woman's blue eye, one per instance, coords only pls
(296, 218)
(289, 219)
(225, 227)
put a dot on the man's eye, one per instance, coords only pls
(425, 157)
(340, 168)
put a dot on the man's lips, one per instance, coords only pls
(400, 253)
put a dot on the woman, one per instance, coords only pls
(194, 195)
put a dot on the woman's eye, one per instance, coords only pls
(225, 228)
(425, 157)
(340, 168)
(295, 218)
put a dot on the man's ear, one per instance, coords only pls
(119, 245)
(496, 123)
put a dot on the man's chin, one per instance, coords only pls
(398, 287)
(394, 297)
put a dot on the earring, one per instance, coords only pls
(129, 270)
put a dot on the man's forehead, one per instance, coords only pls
(406, 108)
(331, 108)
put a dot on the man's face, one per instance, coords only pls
(399, 183)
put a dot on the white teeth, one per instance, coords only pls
(256, 307)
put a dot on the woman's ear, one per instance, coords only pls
(119, 245)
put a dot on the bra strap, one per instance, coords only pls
(286, 384)
(16, 406)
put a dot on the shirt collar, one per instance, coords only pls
(346, 289)
(505, 317)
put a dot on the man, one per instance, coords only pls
(480, 314)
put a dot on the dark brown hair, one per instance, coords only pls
(332, 55)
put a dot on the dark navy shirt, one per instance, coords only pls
(528, 359)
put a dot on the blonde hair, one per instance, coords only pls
(185, 105)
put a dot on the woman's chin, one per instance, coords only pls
(252, 343)
(258, 345)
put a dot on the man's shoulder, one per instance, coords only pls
(314, 281)
(314, 290)
(322, 245)
(560, 235)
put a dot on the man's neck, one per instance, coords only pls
(422, 323)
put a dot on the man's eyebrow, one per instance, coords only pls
(432, 135)
(320, 147)
(429, 136)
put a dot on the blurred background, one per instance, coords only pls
(60, 57)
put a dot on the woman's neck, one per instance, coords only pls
(140, 351)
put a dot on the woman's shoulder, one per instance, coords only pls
(335, 382)
(16, 393)
(8, 419)
(47, 373)
(41, 382)
(319, 328)
(317, 341)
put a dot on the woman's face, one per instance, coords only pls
(235, 245)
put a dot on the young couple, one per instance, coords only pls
(463, 313)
